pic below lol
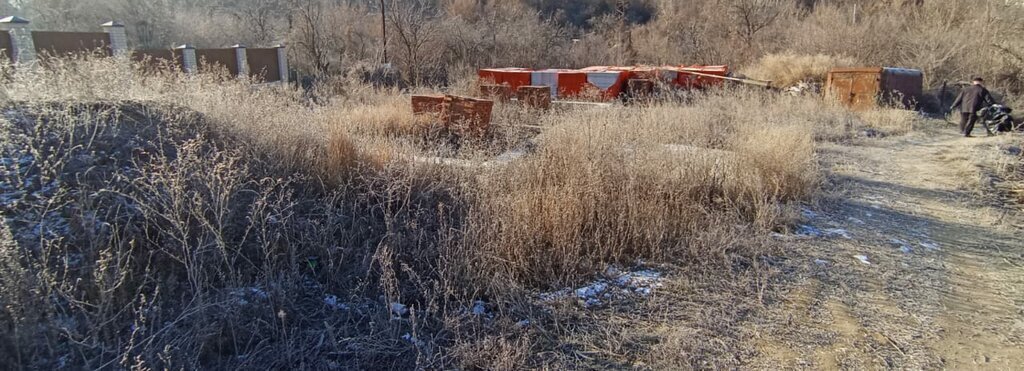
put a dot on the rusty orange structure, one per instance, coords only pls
(862, 88)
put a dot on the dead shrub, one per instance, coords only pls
(788, 69)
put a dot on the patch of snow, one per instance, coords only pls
(589, 294)
(399, 309)
(932, 246)
(333, 302)
(640, 282)
(243, 295)
(555, 296)
(808, 231)
(812, 231)
(837, 232)
(862, 259)
(479, 308)
(902, 245)
(808, 213)
(412, 340)
(259, 292)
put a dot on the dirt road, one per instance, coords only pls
(914, 262)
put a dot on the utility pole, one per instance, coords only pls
(384, 31)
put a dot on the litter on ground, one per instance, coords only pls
(862, 259)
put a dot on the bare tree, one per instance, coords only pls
(411, 23)
(310, 34)
(753, 16)
(262, 18)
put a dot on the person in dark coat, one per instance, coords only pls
(970, 101)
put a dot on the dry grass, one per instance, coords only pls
(198, 222)
(891, 121)
(790, 69)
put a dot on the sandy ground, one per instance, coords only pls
(917, 263)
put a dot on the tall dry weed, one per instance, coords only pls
(788, 69)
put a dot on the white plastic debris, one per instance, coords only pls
(523, 324)
(821, 262)
(932, 246)
(863, 259)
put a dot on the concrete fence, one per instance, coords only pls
(23, 46)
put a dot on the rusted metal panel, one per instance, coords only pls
(640, 88)
(856, 88)
(535, 96)
(212, 59)
(462, 115)
(62, 44)
(468, 116)
(165, 59)
(496, 92)
(5, 46)
(263, 64)
(862, 88)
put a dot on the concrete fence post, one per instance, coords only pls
(188, 58)
(23, 49)
(118, 38)
(242, 59)
(282, 63)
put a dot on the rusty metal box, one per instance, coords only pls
(862, 88)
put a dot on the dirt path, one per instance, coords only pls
(911, 264)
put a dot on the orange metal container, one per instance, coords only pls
(512, 77)
(496, 92)
(862, 88)
(468, 116)
(428, 104)
(690, 81)
(535, 96)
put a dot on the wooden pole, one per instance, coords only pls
(384, 31)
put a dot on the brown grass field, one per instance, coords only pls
(157, 220)
(203, 222)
